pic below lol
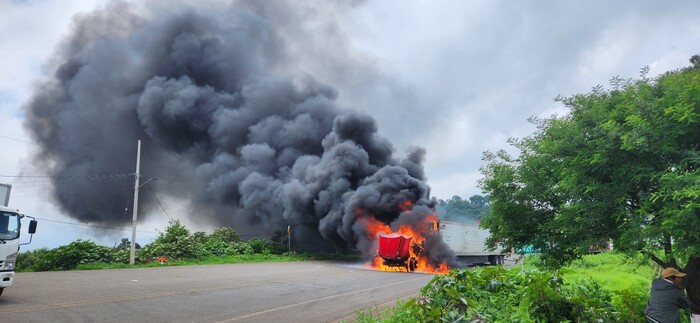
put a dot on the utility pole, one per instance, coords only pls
(132, 255)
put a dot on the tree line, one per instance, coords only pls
(464, 210)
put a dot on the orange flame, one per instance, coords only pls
(406, 205)
(423, 264)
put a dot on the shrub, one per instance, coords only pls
(31, 260)
(241, 248)
(266, 247)
(225, 234)
(75, 253)
(258, 245)
(200, 237)
(630, 304)
(218, 248)
(175, 242)
(122, 255)
(494, 294)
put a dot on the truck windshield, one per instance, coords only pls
(9, 225)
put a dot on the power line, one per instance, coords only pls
(38, 144)
(48, 182)
(92, 226)
(21, 140)
(161, 206)
(173, 195)
(39, 194)
(109, 176)
(45, 186)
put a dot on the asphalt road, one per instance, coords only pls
(309, 291)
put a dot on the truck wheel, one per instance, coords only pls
(492, 260)
(412, 264)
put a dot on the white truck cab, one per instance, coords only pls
(10, 225)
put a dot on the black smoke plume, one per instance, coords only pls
(223, 122)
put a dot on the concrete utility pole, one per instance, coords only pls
(132, 255)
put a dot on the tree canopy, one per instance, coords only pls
(620, 166)
(459, 209)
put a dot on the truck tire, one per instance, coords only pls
(412, 264)
(493, 260)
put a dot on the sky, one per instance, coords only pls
(455, 77)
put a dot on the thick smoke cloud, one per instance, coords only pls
(222, 122)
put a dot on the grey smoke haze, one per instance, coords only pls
(223, 122)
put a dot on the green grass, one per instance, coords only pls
(213, 260)
(612, 270)
(385, 314)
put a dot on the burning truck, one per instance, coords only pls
(409, 243)
(412, 246)
(394, 249)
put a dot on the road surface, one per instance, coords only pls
(308, 291)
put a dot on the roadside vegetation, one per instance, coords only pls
(620, 166)
(608, 287)
(175, 246)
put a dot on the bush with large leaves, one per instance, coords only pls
(175, 242)
(32, 260)
(67, 257)
(266, 247)
(225, 234)
(495, 294)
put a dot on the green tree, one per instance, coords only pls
(621, 166)
(477, 200)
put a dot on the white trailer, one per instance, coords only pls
(468, 242)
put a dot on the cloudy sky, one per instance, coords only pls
(455, 77)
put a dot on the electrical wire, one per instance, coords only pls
(92, 226)
(44, 185)
(70, 177)
(173, 195)
(38, 194)
(157, 200)
(47, 182)
(40, 145)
